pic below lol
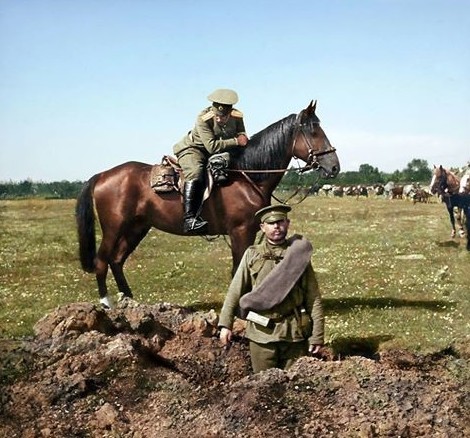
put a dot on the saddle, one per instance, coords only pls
(164, 177)
(168, 176)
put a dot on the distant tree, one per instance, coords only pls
(417, 170)
(369, 174)
(25, 188)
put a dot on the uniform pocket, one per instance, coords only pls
(306, 325)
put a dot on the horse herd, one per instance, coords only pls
(413, 191)
(449, 186)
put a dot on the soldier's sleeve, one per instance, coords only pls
(241, 127)
(314, 305)
(241, 284)
(212, 144)
(240, 124)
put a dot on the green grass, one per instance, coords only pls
(388, 270)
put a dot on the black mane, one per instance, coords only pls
(266, 149)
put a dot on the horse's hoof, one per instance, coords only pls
(106, 303)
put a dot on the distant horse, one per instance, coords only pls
(446, 184)
(379, 189)
(127, 207)
(388, 189)
(465, 183)
(396, 192)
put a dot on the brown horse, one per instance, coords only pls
(127, 207)
(447, 185)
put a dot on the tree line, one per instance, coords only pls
(46, 190)
(417, 170)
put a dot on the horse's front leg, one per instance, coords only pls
(452, 221)
(241, 238)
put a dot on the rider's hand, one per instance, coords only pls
(242, 140)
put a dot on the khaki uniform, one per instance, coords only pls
(205, 139)
(285, 333)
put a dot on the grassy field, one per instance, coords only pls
(388, 270)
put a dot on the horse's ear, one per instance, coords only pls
(311, 107)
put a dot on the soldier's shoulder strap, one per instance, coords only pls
(207, 115)
(236, 113)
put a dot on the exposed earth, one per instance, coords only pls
(158, 371)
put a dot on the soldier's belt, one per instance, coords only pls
(257, 318)
(265, 321)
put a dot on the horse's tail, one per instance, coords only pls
(85, 217)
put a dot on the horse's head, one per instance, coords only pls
(465, 184)
(443, 182)
(437, 182)
(311, 144)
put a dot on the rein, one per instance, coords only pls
(448, 183)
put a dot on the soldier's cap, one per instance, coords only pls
(223, 96)
(273, 213)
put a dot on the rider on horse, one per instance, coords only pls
(219, 128)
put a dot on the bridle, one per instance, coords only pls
(443, 186)
(312, 162)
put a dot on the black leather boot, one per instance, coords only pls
(193, 193)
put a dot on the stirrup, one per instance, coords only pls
(194, 225)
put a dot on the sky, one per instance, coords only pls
(87, 85)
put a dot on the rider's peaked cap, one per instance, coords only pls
(273, 213)
(222, 101)
(224, 96)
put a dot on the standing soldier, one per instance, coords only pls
(218, 128)
(276, 291)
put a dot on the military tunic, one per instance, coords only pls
(205, 139)
(255, 265)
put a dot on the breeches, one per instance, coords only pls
(276, 354)
(193, 163)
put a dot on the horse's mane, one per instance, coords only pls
(450, 173)
(266, 149)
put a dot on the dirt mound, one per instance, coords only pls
(158, 371)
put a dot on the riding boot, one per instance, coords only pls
(193, 193)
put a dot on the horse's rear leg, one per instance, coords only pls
(101, 271)
(127, 244)
(102, 264)
(120, 278)
(461, 221)
(121, 281)
(467, 224)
